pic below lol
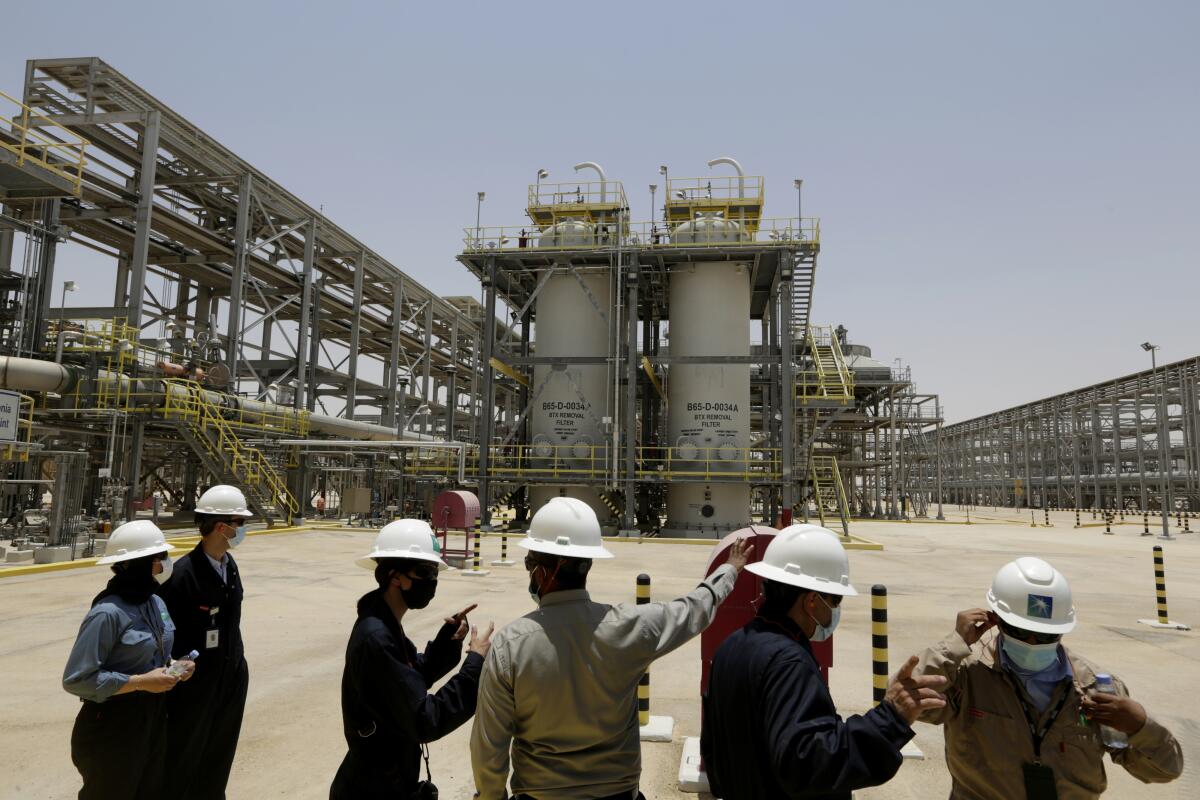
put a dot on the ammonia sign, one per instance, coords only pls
(10, 414)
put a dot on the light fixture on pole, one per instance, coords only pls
(478, 209)
(542, 173)
(1151, 349)
(68, 286)
(662, 170)
(799, 184)
(1164, 444)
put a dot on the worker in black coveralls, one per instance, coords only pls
(770, 728)
(388, 714)
(204, 596)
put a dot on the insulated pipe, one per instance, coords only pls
(35, 375)
(599, 171)
(733, 163)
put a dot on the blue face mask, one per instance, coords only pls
(1029, 657)
(239, 536)
(823, 632)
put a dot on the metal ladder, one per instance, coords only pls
(829, 491)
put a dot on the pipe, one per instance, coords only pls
(599, 171)
(733, 163)
(460, 447)
(35, 375)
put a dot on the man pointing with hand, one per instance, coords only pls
(770, 727)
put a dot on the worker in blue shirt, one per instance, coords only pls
(770, 728)
(120, 666)
(204, 596)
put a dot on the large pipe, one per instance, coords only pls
(34, 375)
(733, 163)
(599, 171)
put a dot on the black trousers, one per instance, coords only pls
(120, 747)
(204, 721)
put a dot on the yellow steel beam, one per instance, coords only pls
(505, 369)
(649, 368)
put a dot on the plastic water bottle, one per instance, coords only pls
(1113, 739)
(176, 669)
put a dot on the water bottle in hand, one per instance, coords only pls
(1113, 739)
(176, 669)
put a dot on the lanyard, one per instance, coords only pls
(158, 634)
(1038, 733)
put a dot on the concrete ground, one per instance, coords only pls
(302, 587)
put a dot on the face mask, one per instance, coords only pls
(1030, 657)
(823, 632)
(239, 536)
(535, 591)
(421, 593)
(167, 568)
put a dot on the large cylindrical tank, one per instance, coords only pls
(566, 422)
(708, 410)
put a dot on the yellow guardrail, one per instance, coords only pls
(829, 378)
(582, 195)
(782, 231)
(63, 153)
(737, 189)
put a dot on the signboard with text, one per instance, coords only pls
(10, 416)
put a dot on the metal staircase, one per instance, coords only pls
(827, 377)
(226, 456)
(828, 490)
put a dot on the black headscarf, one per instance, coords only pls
(132, 581)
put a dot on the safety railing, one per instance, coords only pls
(827, 485)
(783, 231)
(595, 462)
(23, 132)
(740, 189)
(580, 195)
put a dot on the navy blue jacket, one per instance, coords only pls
(387, 710)
(770, 728)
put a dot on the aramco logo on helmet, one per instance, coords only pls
(437, 548)
(1040, 606)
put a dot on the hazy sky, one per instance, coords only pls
(1008, 191)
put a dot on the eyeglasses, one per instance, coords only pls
(1030, 637)
(831, 600)
(423, 573)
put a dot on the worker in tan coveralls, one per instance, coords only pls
(1026, 718)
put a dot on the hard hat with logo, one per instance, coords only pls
(565, 526)
(224, 501)
(405, 538)
(1032, 595)
(807, 556)
(134, 540)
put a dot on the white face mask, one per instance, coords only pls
(823, 632)
(167, 569)
(1030, 657)
(239, 536)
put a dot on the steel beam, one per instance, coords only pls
(305, 329)
(360, 267)
(142, 219)
(233, 333)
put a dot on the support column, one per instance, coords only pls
(360, 267)
(314, 345)
(7, 235)
(629, 522)
(489, 391)
(45, 277)
(426, 367)
(893, 512)
(233, 333)
(788, 406)
(1116, 429)
(142, 218)
(392, 371)
(938, 456)
(133, 463)
(451, 371)
(305, 325)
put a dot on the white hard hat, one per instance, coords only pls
(405, 538)
(134, 540)
(1032, 595)
(225, 501)
(807, 556)
(565, 526)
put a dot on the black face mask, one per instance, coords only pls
(421, 593)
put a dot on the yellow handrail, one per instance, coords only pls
(63, 154)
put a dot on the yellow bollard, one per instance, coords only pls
(1160, 592)
(503, 561)
(476, 570)
(879, 643)
(1108, 523)
(1077, 518)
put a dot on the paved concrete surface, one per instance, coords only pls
(301, 590)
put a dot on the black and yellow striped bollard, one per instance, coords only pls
(476, 570)
(1047, 510)
(1146, 524)
(1160, 591)
(1108, 524)
(1077, 518)
(503, 560)
(879, 643)
(643, 692)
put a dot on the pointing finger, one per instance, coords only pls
(906, 671)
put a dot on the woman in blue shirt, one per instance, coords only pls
(118, 667)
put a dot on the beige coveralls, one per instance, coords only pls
(988, 738)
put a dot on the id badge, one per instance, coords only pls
(212, 639)
(1039, 782)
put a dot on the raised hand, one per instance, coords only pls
(972, 623)
(911, 696)
(459, 622)
(481, 644)
(739, 554)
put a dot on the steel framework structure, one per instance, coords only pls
(1128, 443)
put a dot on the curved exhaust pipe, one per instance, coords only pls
(599, 171)
(733, 163)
